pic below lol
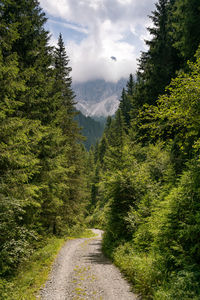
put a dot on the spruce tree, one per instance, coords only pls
(65, 159)
(186, 27)
(115, 142)
(62, 72)
(158, 65)
(34, 56)
(130, 85)
(19, 163)
(126, 101)
(62, 86)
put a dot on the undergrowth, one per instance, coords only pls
(148, 276)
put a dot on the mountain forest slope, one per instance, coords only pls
(92, 130)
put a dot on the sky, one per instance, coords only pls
(103, 38)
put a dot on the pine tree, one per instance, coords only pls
(19, 163)
(126, 101)
(130, 85)
(102, 149)
(124, 107)
(115, 142)
(34, 56)
(62, 72)
(64, 163)
(186, 27)
(63, 87)
(158, 65)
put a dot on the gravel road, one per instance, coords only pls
(81, 271)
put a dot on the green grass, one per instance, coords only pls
(149, 278)
(86, 233)
(25, 285)
(32, 274)
(139, 269)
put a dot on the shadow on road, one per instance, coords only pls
(97, 256)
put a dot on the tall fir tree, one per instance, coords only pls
(62, 86)
(186, 27)
(158, 65)
(130, 85)
(34, 56)
(126, 102)
(66, 152)
(19, 163)
(62, 71)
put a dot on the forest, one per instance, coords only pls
(43, 187)
(140, 183)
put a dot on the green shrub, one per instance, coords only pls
(139, 268)
(31, 274)
(183, 285)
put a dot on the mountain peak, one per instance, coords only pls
(98, 98)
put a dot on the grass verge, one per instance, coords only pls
(149, 277)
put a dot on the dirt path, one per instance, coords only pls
(82, 272)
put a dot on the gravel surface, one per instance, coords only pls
(81, 271)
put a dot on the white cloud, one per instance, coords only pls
(124, 2)
(106, 23)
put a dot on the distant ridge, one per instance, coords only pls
(98, 98)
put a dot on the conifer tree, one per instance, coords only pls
(63, 87)
(125, 107)
(108, 124)
(19, 163)
(130, 85)
(158, 65)
(65, 159)
(126, 101)
(62, 72)
(34, 56)
(115, 142)
(186, 27)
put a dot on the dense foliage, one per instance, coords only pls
(42, 162)
(145, 179)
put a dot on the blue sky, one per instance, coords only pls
(70, 31)
(96, 30)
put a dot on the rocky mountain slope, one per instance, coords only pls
(98, 98)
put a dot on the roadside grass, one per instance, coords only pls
(140, 270)
(32, 274)
(149, 278)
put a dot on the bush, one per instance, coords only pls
(139, 268)
(183, 285)
(15, 250)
